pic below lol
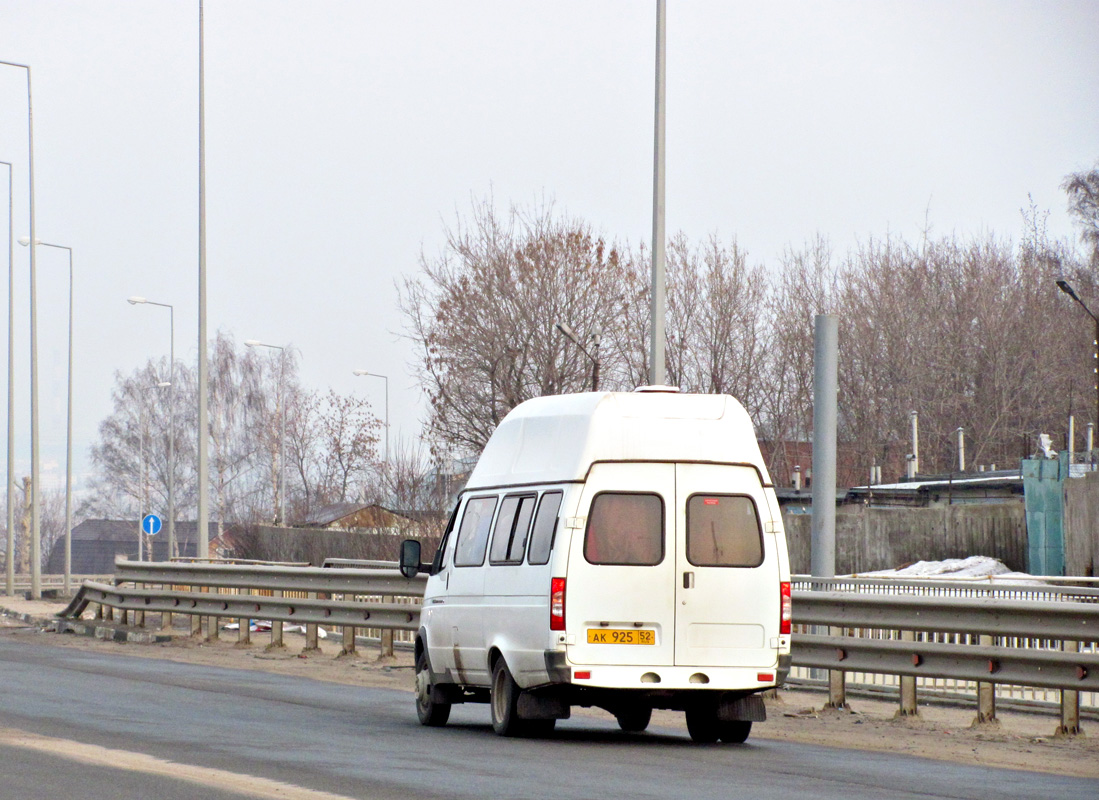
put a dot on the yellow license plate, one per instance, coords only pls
(612, 636)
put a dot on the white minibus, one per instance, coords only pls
(622, 550)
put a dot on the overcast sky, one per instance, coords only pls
(342, 137)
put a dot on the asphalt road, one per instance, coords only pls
(84, 725)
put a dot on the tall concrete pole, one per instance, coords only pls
(656, 327)
(9, 582)
(825, 415)
(36, 505)
(202, 535)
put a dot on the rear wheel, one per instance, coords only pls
(503, 701)
(634, 719)
(702, 723)
(431, 713)
(734, 732)
(538, 727)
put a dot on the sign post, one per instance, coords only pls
(150, 526)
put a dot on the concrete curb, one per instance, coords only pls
(30, 619)
(97, 630)
(114, 633)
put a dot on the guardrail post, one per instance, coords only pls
(348, 637)
(244, 633)
(276, 628)
(348, 641)
(311, 637)
(139, 616)
(908, 686)
(837, 688)
(1070, 701)
(986, 695)
(213, 629)
(166, 617)
(386, 637)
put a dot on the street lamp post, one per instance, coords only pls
(25, 241)
(172, 553)
(1064, 287)
(9, 587)
(36, 510)
(362, 373)
(594, 358)
(282, 424)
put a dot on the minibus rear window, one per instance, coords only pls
(545, 523)
(473, 533)
(625, 528)
(723, 531)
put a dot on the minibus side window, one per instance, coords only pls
(440, 555)
(473, 533)
(723, 531)
(545, 525)
(625, 528)
(509, 540)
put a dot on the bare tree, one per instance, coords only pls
(348, 435)
(483, 316)
(1083, 203)
(805, 285)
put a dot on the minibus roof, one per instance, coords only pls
(557, 438)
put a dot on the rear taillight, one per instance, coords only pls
(557, 604)
(786, 613)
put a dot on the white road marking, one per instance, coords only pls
(140, 762)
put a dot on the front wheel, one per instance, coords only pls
(634, 719)
(431, 713)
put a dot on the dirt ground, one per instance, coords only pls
(1020, 740)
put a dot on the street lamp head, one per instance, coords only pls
(359, 372)
(252, 343)
(26, 240)
(565, 329)
(136, 300)
(163, 384)
(1064, 287)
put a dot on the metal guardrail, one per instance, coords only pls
(22, 581)
(1068, 621)
(344, 613)
(1039, 588)
(279, 578)
(994, 617)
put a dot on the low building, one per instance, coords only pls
(97, 542)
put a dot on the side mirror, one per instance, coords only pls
(410, 558)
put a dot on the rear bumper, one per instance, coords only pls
(665, 677)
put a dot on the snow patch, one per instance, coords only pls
(974, 567)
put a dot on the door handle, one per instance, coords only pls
(688, 580)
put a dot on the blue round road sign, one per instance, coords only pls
(151, 524)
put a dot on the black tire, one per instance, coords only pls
(735, 732)
(431, 713)
(702, 723)
(634, 719)
(538, 727)
(503, 699)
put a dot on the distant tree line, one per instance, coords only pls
(331, 444)
(971, 333)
